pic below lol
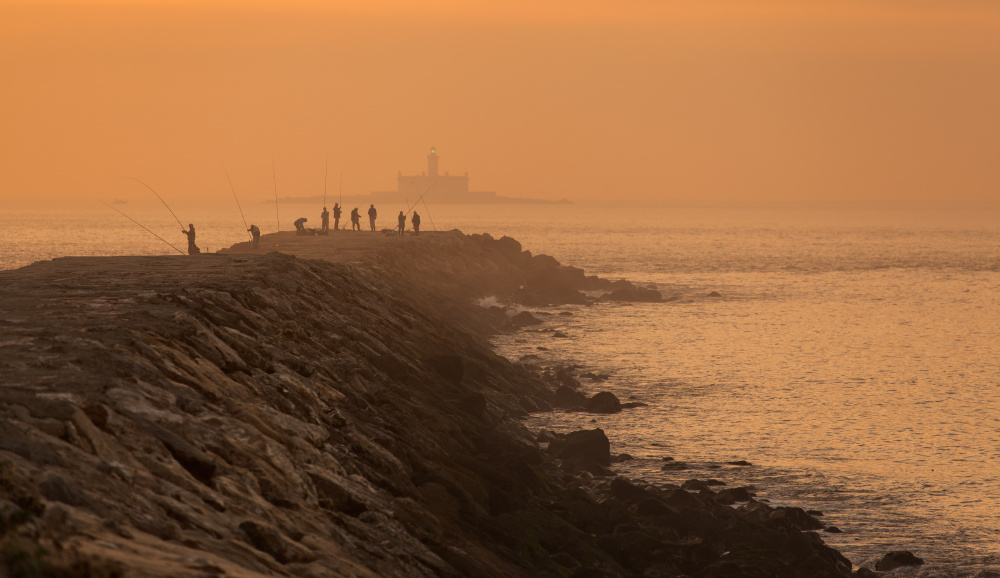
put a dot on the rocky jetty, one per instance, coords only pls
(259, 413)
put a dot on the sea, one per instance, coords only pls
(850, 354)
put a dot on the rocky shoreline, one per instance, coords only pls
(255, 413)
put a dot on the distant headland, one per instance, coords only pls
(433, 187)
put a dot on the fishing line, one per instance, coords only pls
(250, 238)
(274, 175)
(147, 230)
(158, 197)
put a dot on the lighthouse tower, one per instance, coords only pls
(432, 163)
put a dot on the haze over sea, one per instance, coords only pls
(852, 357)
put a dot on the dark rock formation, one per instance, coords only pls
(585, 445)
(897, 559)
(268, 415)
(524, 319)
(604, 402)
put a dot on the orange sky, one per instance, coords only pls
(796, 100)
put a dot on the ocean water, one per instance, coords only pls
(853, 357)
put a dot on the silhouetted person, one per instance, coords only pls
(255, 233)
(336, 216)
(355, 220)
(415, 219)
(192, 248)
(402, 223)
(300, 226)
(372, 213)
(324, 219)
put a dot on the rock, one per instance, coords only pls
(864, 572)
(270, 541)
(603, 402)
(739, 463)
(508, 246)
(833, 530)
(567, 398)
(733, 495)
(524, 319)
(714, 294)
(896, 559)
(695, 486)
(633, 294)
(797, 518)
(450, 367)
(566, 313)
(672, 466)
(622, 458)
(560, 335)
(633, 404)
(590, 445)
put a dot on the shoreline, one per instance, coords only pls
(270, 414)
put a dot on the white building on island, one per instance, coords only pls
(433, 186)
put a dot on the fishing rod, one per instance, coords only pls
(238, 203)
(158, 197)
(147, 230)
(429, 216)
(421, 197)
(274, 176)
(325, 175)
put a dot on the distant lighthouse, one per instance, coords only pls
(436, 186)
(432, 163)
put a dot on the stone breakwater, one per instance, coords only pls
(241, 414)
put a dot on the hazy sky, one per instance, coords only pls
(669, 100)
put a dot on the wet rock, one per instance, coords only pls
(524, 319)
(633, 294)
(794, 518)
(560, 335)
(833, 530)
(567, 398)
(603, 402)
(733, 495)
(622, 458)
(590, 445)
(739, 463)
(633, 404)
(674, 466)
(897, 559)
(714, 294)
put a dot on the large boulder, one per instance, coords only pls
(583, 445)
(604, 402)
(897, 559)
(568, 398)
(524, 319)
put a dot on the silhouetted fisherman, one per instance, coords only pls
(192, 248)
(300, 226)
(372, 213)
(402, 223)
(416, 223)
(336, 216)
(355, 219)
(324, 218)
(255, 233)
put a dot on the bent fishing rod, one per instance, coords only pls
(325, 175)
(249, 237)
(147, 230)
(158, 197)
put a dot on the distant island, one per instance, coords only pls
(432, 186)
